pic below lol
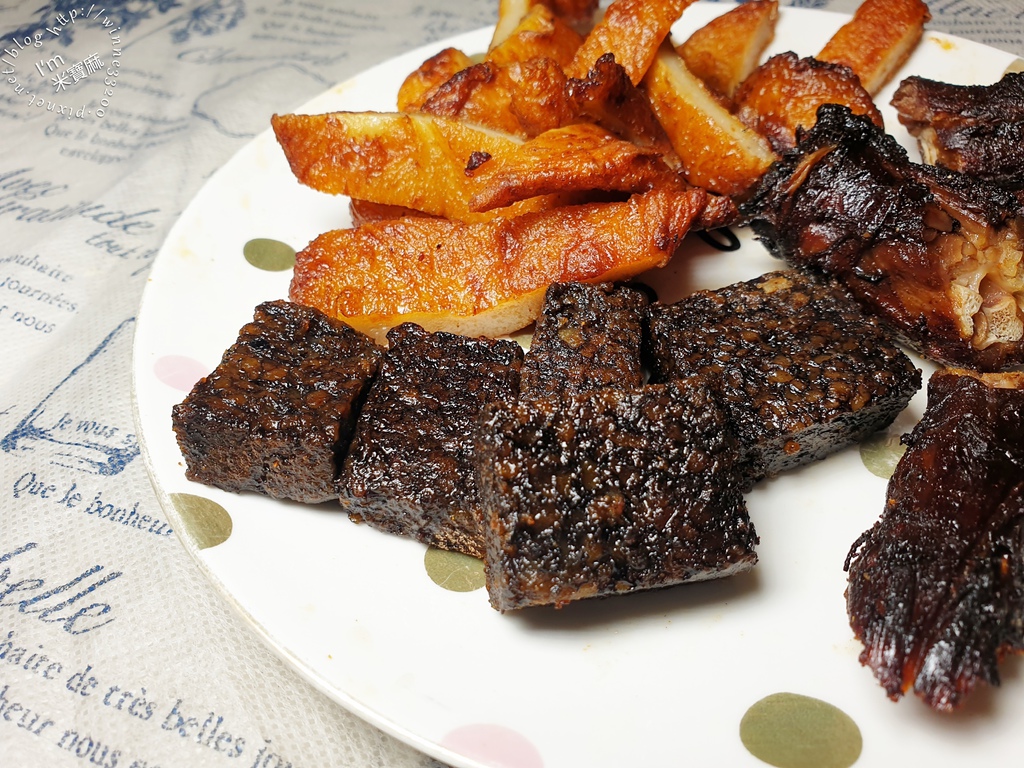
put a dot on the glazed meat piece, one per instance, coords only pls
(799, 368)
(936, 587)
(276, 415)
(410, 467)
(935, 254)
(587, 336)
(976, 129)
(610, 492)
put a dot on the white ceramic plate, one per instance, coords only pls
(654, 679)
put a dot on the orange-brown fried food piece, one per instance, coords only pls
(413, 160)
(607, 97)
(717, 151)
(877, 40)
(577, 158)
(523, 98)
(784, 94)
(728, 48)
(487, 278)
(365, 212)
(632, 30)
(430, 75)
(540, 34)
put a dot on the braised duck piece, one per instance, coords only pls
(935, 254)
(975, 129)
(936, 587)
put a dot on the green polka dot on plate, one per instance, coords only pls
(788, 730)
(270, 255)
(881, 453)
(206, 522)
(453, 570)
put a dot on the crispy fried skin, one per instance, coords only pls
(365, 212)
(717, 151)
(728, 48)
(936, 255)
(431, 74)
(784, 93)
(486, 278)
(877, 40)
(580, 157)
(632, 30)
(936, 586)
(975, 129)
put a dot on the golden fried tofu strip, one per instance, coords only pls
(784, 94)
(522, 98)
(878, 39)
(432, 73)
(728, 48)
(577, 158)
(487, 278)
(412, 160)
(539, 34)
(578, 14)
(608, 98)
(632, 30)
(718, 152)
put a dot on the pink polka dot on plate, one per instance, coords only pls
(178, 371)
(493, 745)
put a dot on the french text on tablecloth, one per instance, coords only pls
(173, 717)
(21, 193)
(66, 604)
(70, 495)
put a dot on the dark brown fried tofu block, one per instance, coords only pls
(799, 368)
(936, 586)
(610, 492)
(410, 467)
(587, 336)
(275, 416)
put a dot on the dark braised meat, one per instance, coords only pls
(936, 590)
(610, 492)
(410, 467)
(975, 129)
(799, 368)
(932, 252)
(587, 336)
(276, 414)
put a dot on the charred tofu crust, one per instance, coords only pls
(276, 414)
(587, 337)
(798, 367)
(610, 492)
(410, 467)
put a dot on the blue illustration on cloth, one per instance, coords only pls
(92, 440)
(204, 19)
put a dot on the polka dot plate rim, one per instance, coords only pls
(661, 678)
